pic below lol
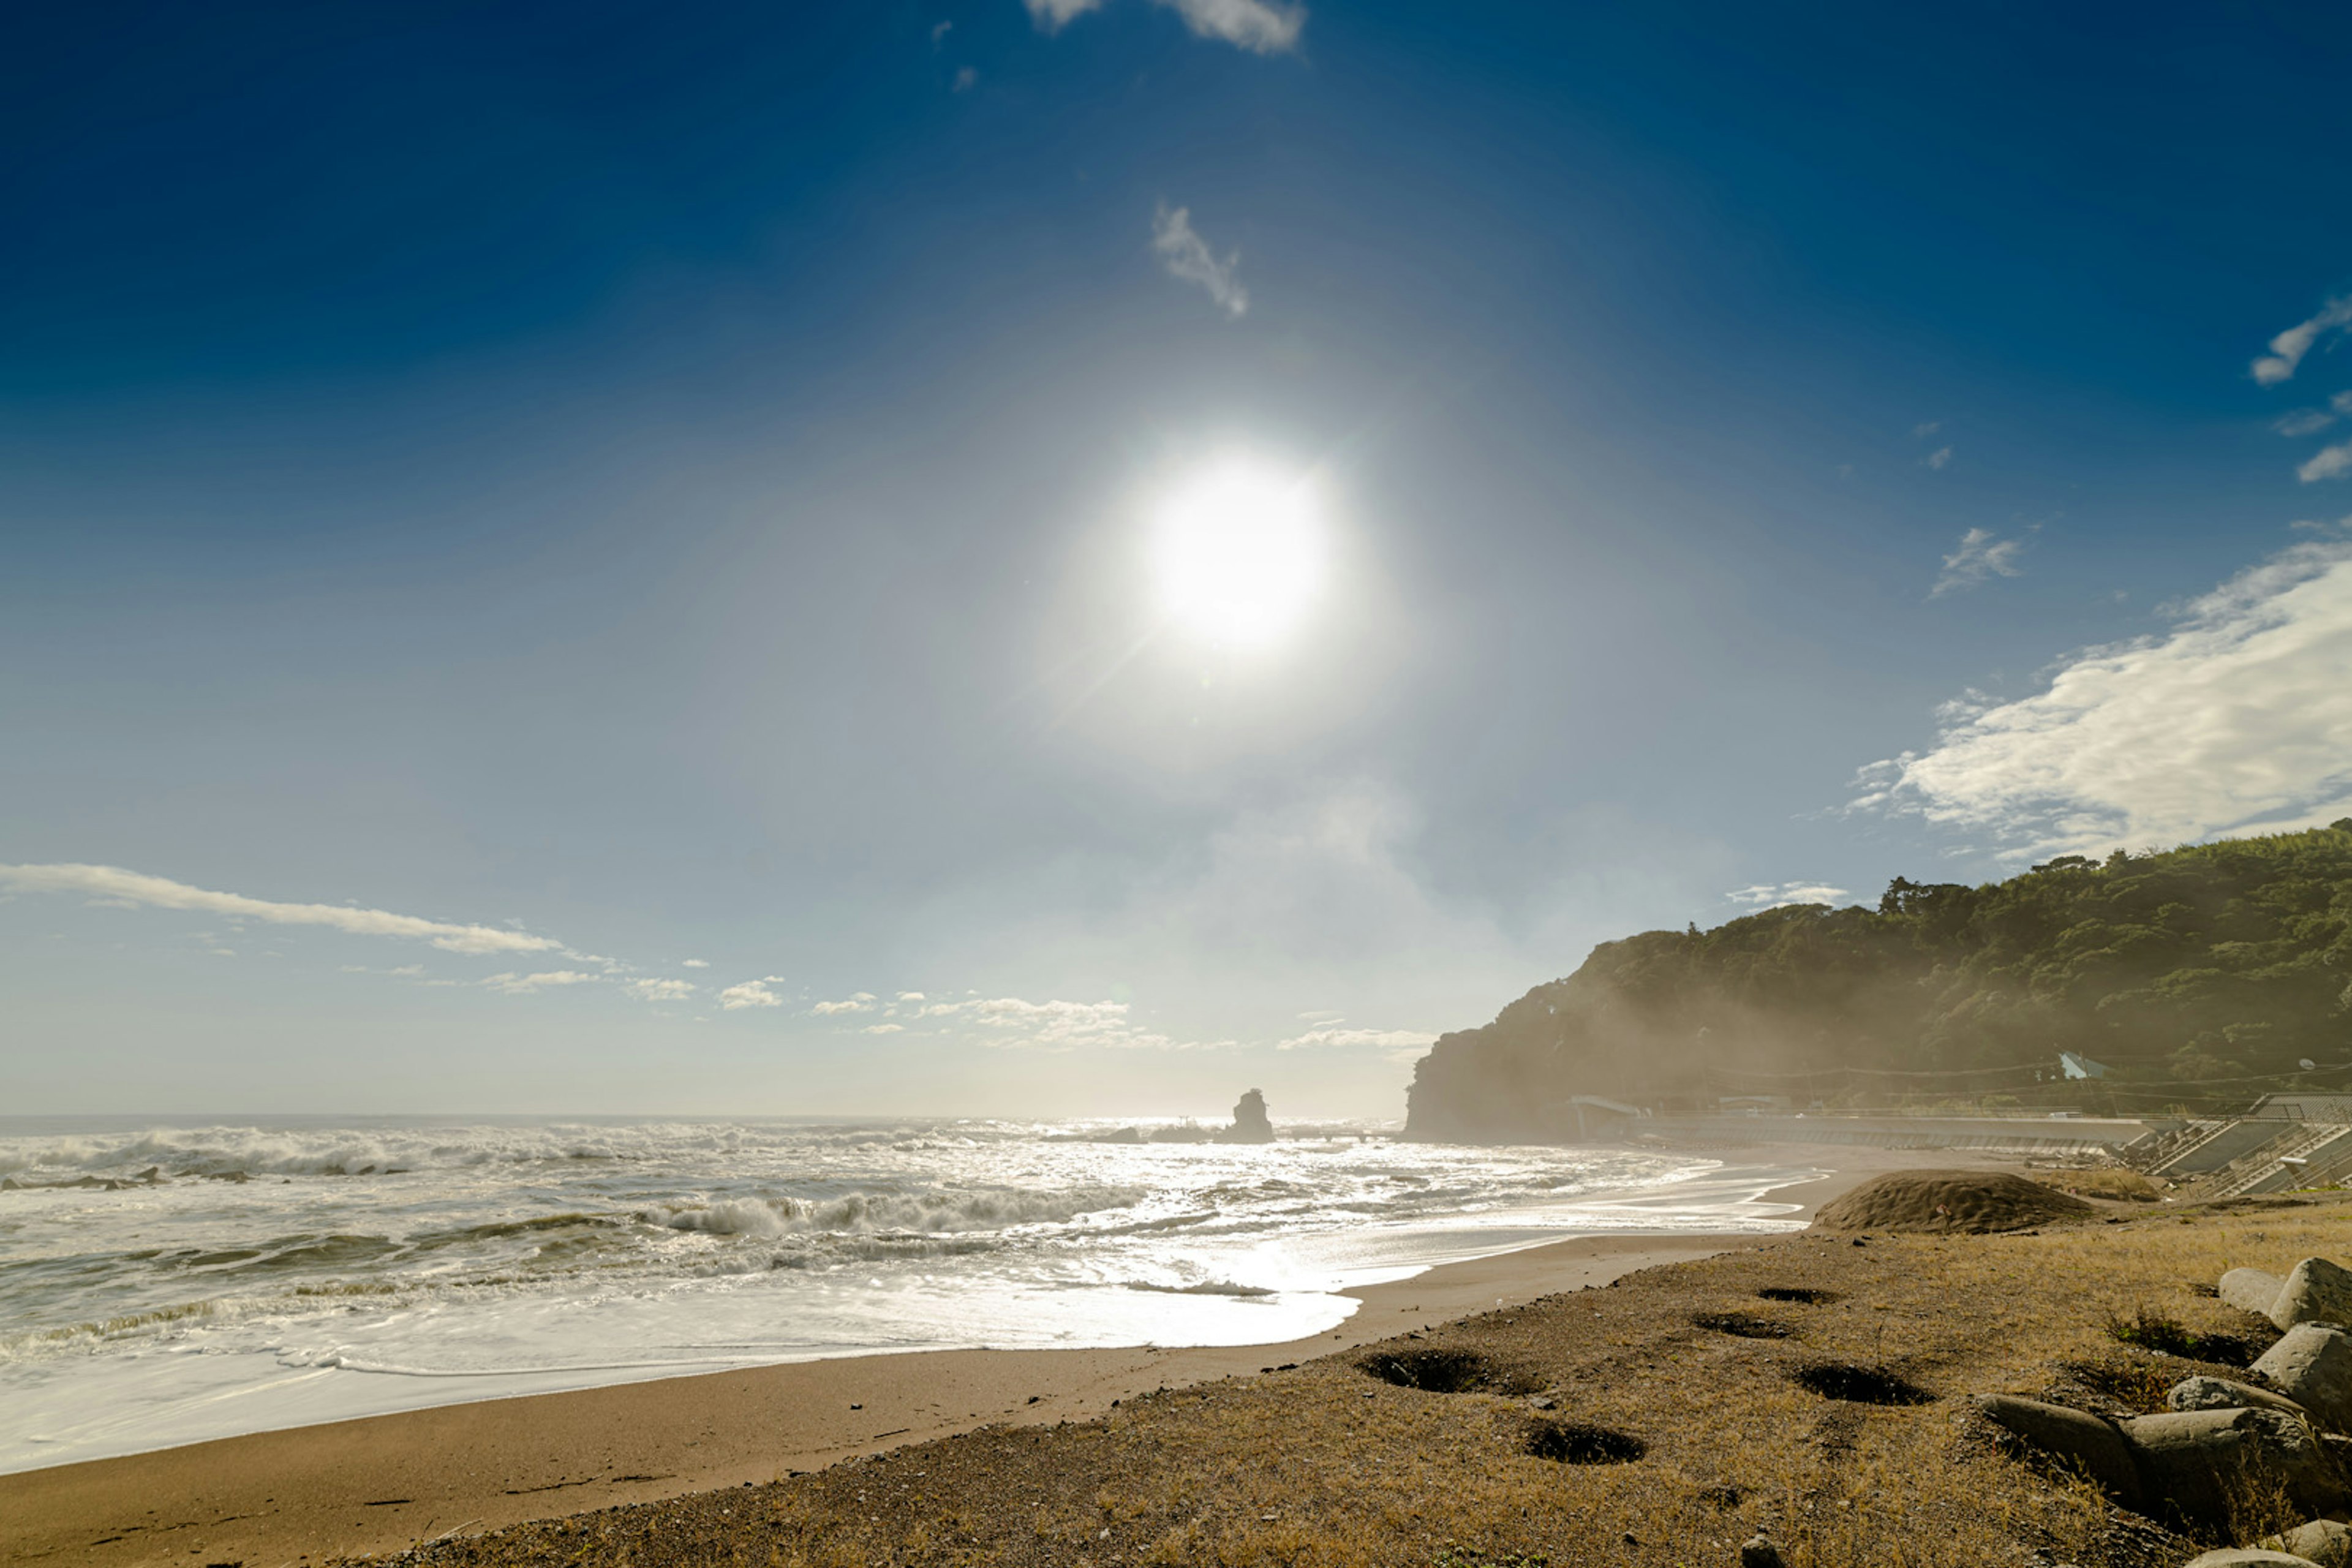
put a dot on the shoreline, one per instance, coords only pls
(382, 1483)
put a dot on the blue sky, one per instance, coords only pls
(598, 558)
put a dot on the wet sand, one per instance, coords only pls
(383, 1483)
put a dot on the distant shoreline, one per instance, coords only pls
(381, 1483)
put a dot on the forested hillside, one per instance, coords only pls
(2201, 976)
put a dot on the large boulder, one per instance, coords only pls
(2228, 1394)
(2322, 1542)
(2249, 1557)
(2314, 1292)
(2312, 1366)
(2082, 1442)
(2205, 1462)
(2251, 1291)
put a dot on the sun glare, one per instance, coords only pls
(1239, 555)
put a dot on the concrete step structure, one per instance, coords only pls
(2286, 1162)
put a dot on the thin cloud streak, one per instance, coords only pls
(115, 885)
(1252, 25)
(1779, 895)
(1979, 557)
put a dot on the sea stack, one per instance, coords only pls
(1250, 1123)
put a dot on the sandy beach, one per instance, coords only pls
(386, 1482)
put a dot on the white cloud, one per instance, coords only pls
(1187, 256)
(1938, 458)
(1980, 556)
(1322, 1015)
(1391, 1039)
(1053, 15)
(884, 1029)
(966, 79)
(2288, 348)
(1252, 25)
(2327, 463)
(2304, 422)
(750, 993)
(697, 963)
(2240, 720)
(861, 1001)
(911, 996)
(524, 984)
(940, 30)
(1014, 1023)
(1776, 895)
(115, 885)
(660, 990)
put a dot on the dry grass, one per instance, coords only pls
(2112, 1182)
(1330, 1467)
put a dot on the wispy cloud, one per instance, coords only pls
(1938, 458)
(1777, 895)
(1980, 556)
(117, 886)
(884, 1029)
(524, 984)
(660, 990)
(1923, 431)
(1015, 1022)
(2288, 348)
(2238, 719)
(1252, 25)
(2304, 422)
(749, 994)
(696, 963)
(2327, 463)
(1391, 1039)
(1187, 256)
(966, 79)
(862, 1001)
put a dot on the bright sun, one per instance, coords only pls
(1239, 553)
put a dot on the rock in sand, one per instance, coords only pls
(2228, 1394)
(2199, 1460)
(2251, 1291)
(2322, 1542)
(2314, 1292)
(2085, 1442)
(2312, 1366)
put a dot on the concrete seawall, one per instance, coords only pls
(2025, 1135)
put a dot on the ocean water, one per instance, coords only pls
(168, 1284)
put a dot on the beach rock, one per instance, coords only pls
(2251, 1291)
(2314, 1292)
(2200, 1460)
(2248, 1557)
(1757, 1551)
(2312, 1366)
(2322, 1542)
(2088, 1444)
(1251, 1124)
(2228, 1394)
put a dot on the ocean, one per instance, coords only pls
(163, 1284)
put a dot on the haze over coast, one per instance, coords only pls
(999, 781)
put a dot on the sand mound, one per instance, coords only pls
(1977, 1202)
